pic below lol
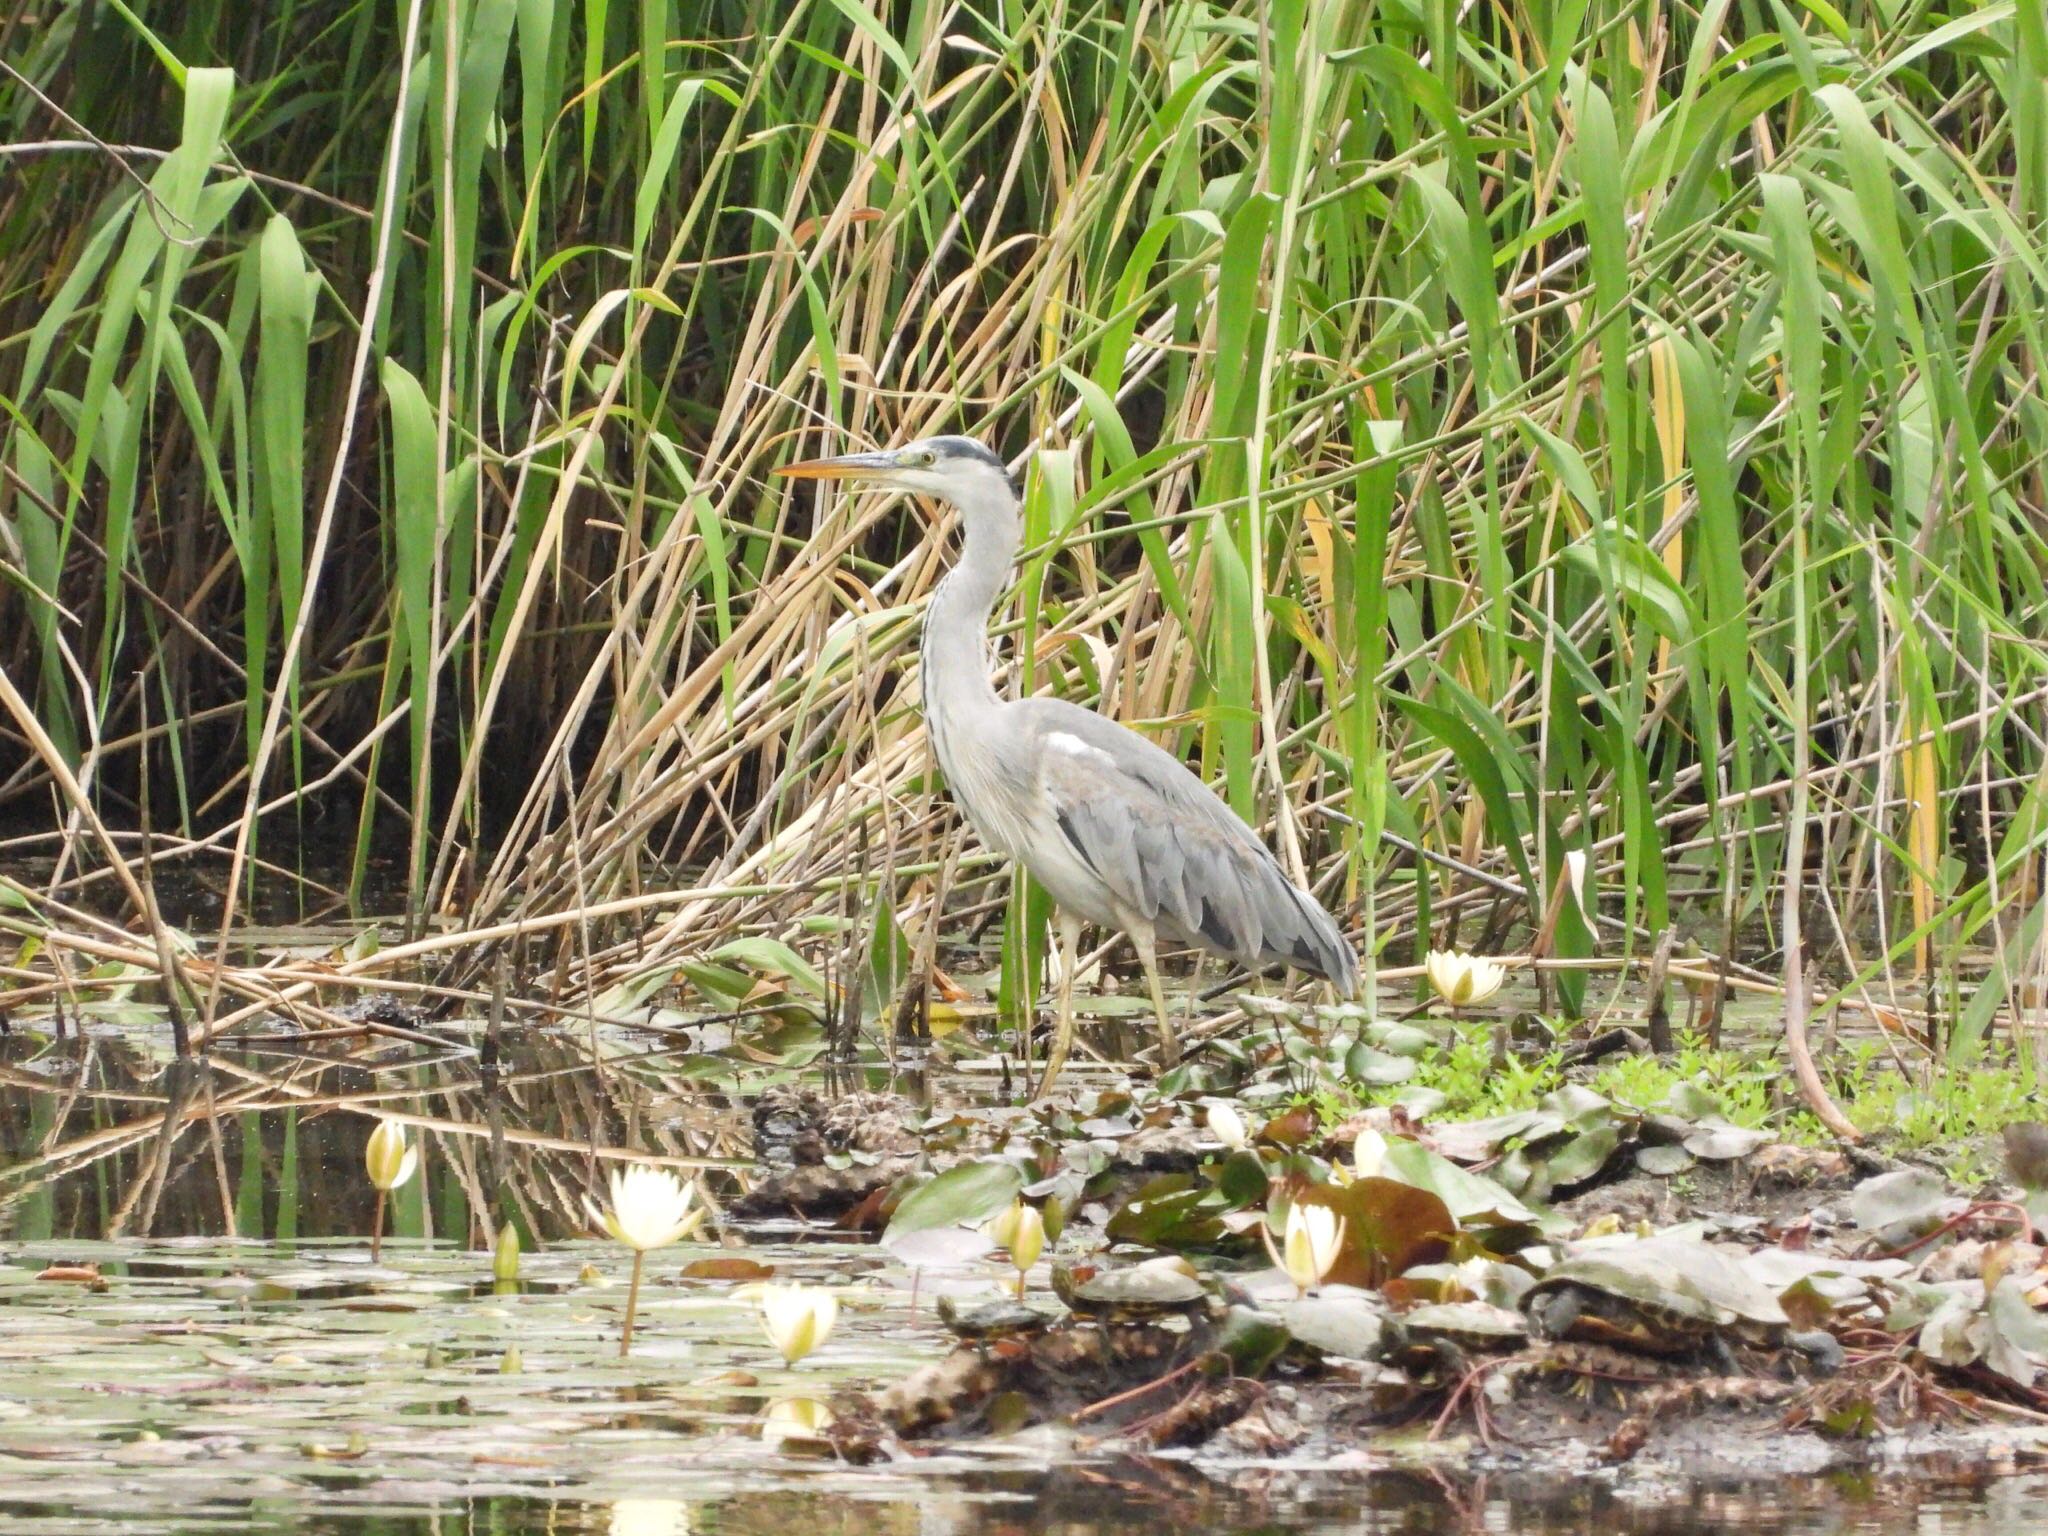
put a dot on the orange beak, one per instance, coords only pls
(847, 466)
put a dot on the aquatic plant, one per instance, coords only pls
(1020, 1231)
(1227, 1126)
(650, 1208)
(505, 1256)
(1578, 443)
(1369, 1153)
(795, 1418)
(1313, 1238)
(390, 1161)
(797, 1318)
(1463, 980)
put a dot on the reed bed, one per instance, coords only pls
(1471, 434)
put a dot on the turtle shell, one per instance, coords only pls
(994, 1319)
(1142, 1290)
(1657, 1296)
(1468, 1324)
(1564, 1309)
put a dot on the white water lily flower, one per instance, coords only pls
(1369, 1153)
(798, 1318)
(389, 1159)
(390, 1162)
(1314, 1235)
(1228, 1126)
(1029, 1240)
(650, 1208)
(1462, 979)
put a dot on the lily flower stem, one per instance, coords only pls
(632, 1303)
(377, 1231)
(1020, 1285)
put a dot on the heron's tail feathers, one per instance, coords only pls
(1301, 934)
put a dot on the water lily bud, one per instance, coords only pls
(798, 1318)
(1027, 1241)
(1228, 1126)
(389, 1160)
(1369, 1153)
(512, 1363)
(650, 1208)
(1309, 1249)
(1020, 1228)
(1001, 1228)
(505, 1258)
(1461, 979)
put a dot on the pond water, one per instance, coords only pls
(280, 1379)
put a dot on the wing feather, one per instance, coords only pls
(1167, 850)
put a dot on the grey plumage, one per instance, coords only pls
(1117, 830)
(1165, 849)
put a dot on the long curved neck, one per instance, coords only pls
(956, 650)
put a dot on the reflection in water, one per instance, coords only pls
(649, 1517)
(84, 1151)
(1117, 1499)
(794, 1418)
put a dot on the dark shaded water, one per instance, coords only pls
(279, 1381)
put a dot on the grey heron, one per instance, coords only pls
(1117, 830)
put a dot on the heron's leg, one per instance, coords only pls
(1169, 1046)
(1063, 1010)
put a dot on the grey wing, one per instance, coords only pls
(1170, 852)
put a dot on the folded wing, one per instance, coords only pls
(1170, 852)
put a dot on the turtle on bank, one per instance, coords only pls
(1660, 1296)
(998, 1318)
(1441, 1335)
(1475, 1325)
(1140, 1293)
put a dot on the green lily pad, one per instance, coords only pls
(961, 1196)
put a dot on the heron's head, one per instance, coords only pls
(955, 469)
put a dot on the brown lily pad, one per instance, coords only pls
(1389, 1227)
